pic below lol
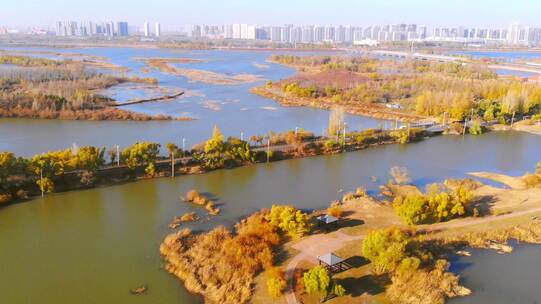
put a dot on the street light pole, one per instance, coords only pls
(41, 181)
(344, 135)
(117, 156)
(268, 150)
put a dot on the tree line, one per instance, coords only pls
(45, 171)
(448, 90)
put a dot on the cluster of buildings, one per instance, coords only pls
(157, 30)
(289, 33)
(88, 28)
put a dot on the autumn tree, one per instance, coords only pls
(173, 151)
(385, 249)
(435, 206)
(276, 282)
(142, 154)
(291, 221)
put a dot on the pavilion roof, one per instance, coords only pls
(330, 259)
(327, 219)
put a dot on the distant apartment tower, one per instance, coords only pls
(423, 32)
(67, 28)
(276, 34)
(122, 29)
(228, 31)
(514, 33)
(158, 29)
(286, 32)
(146, 29)
(196, 32)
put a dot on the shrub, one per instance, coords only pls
(335, 211)
(276, 282)
(360, 192)
(5, 198)
(476, 128)
(193, 196)
(532, 180)
(219, 264)
(412, 285)
(211, 208)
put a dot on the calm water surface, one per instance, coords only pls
(93, 246)
(234, 109)
(501, 279)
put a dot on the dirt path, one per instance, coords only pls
(319, 244)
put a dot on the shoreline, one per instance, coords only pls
(372, 111)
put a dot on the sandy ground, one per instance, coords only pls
(510, 181)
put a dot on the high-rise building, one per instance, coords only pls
(286, 32)
(276, 33)
(158, 29)
(423, 32)
(146, 29)
(514, 33)
(122, 29)
(228, 31)
(319, 34)
(196, 32)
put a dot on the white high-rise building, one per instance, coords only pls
(513, 36)
(276, 33)
(146, 28)
(158, 29)
(236, 31)
(228, 31)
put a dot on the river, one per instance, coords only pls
(93, 246)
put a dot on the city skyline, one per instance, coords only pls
(172, 16)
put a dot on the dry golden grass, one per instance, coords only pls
(220, 265)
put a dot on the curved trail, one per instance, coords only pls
(313, 246)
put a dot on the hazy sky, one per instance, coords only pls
(175, 13)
